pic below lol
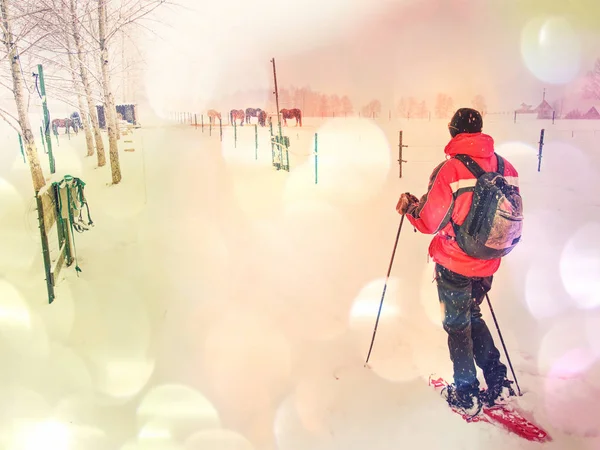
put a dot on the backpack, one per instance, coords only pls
(494, 222)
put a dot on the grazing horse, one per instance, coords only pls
(212, 115)
(252, 112)
(262, 118)
(64, 123)
(236, 114)
(291, 114)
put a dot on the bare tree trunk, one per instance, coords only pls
(110, 110)
(111, 100)
(13, 57)
(89, 138)
(86, 86)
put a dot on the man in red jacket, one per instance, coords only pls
(462, 281)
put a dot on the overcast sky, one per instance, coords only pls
(507, 50)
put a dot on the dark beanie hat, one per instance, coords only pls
(465, 120)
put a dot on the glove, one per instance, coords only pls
(407, 203)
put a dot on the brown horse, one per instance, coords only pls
(64, 123)
(291, 114)
(262, 118)
(252, 112)
(236, 114)
(213, 115)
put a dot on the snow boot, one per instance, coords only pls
(467, 403)
(498, 393)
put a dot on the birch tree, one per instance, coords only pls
(89, 138)
(13, 57)
(110, 109)
(128, 12)
(63, 52)
(75, 31)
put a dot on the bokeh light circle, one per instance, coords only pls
(544, 294)
(551, 49)
(394, 356)
(580, 266)
(353, 163)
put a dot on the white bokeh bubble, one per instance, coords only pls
(551, 49)
(569, 399)
(174, 411)
(313, 398)
(162, 444)
(66, 372)
(22, 330)
(15, 316)
(188, 82)
(353, 162)
(367, 302)
(123, 201)
(576, 167)
(112, 331)
(19, 232)
(92, 424)
(544, 294)
(315, 235)
(21, 404)
(59, 316)
(580, 266)
(10, 199)
(239, 146)
(247, 360)
(87, 437)
(393, 356)
(289, 426)
(567, 335)
(68, 157)
(33, 435)
(218, 440)
(521, 155)
(592, 331)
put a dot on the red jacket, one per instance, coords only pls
(449, 196)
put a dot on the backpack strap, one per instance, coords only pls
(475, 168)
(500, 164)
(470, 164)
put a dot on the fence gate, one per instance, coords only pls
(57, 204)
(279, 150)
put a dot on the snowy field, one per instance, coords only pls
(225, 305)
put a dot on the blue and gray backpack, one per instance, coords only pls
(494, 223)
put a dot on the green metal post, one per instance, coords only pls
(540, 150)
(256, 142)
(21, 145)
(45, 248)
(281, 142)
(272, 144)
(43, 139)
(210, 128)
(46, 118)
(220, 129)
(316, 160)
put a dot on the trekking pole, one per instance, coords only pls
(384, 289)
(503, 345)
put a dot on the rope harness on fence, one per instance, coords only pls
(75, 203)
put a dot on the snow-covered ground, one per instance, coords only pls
(225, 305)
